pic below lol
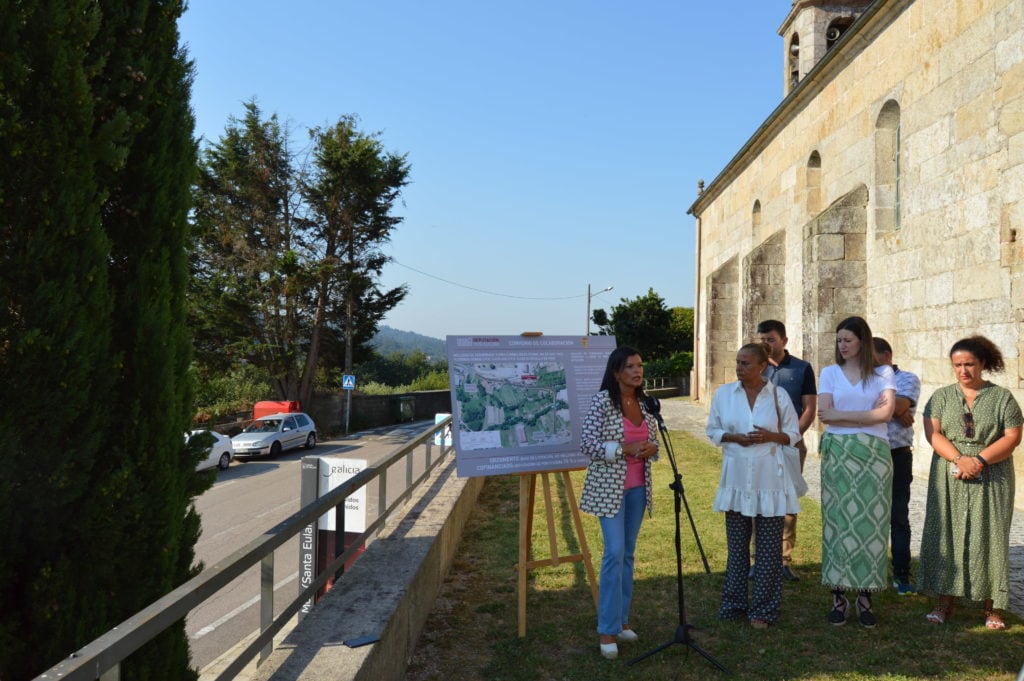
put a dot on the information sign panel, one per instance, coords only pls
(518, 402)
(333, 472)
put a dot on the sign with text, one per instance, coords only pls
(308, 492)
(518, 402)
(333, 472)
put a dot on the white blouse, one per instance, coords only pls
(860, 397)
(753, 480)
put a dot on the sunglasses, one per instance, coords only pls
(968, 425)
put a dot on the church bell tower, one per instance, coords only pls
(810, 30)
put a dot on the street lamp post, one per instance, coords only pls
(589, 297)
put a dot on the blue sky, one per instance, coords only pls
(552, 143)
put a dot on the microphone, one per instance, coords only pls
(653, 406)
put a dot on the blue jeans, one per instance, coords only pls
(615, 592)
(899, 522)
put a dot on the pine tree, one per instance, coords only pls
(288, 257)
(353, 189)
(95, 485)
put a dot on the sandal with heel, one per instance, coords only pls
(837, 616)
(864, 614)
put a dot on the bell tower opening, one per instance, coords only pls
(812, 28)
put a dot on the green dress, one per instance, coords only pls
(965, 545)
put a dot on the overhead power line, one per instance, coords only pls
(480, 290)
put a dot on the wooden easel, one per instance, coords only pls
(527, 495)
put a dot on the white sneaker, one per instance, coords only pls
(627, 636)
(609, 651)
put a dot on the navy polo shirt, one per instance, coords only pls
(795, 376)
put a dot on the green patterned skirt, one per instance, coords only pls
(856, 499)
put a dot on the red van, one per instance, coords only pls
(268, 407)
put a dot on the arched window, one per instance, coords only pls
(793, 63)
(812, 182)
(887, 167)
(755, 217)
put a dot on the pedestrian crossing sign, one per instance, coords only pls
(348, 381)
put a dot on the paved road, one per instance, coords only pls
(683, 414)
(253, 496)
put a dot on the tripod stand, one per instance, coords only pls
(682, 635)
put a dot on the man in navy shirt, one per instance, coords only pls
(796, 377)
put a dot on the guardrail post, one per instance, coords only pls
(339, 535)
(266, 602)
(382, 494)
(408, 468)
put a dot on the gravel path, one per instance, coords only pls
(683, 414)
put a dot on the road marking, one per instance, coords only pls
(244, 606)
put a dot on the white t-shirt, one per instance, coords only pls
(860, 397)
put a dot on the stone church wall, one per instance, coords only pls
(804, 224)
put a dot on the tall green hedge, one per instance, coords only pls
(96, 161)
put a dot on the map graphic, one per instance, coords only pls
(511, 405)
(518, 402)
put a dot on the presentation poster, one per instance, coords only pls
(518, 402)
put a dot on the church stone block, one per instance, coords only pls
(830, 247)
(841, 274)
(849, 299)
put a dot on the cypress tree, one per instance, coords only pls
(96, 486)
(54, 331)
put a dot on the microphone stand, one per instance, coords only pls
(682, 635)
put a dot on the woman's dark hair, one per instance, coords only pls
(759, 349)
(866, 358)
(985, 350)
(616, 361)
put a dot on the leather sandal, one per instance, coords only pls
(837, 615)
(994, 620)
(943, 609)
(864, 614)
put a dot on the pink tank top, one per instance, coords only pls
(634, 466)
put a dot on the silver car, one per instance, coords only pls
(273, 434)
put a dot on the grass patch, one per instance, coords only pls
(471, 633)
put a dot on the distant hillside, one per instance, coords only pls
(389, 341)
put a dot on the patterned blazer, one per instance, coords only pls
(603, 486)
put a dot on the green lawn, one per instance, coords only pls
(471, 632)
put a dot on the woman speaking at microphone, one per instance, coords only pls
(621, 439)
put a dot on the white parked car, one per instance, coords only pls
(273, 434)
(219, 454)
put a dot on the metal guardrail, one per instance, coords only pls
(101, 659)
(659, 382)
